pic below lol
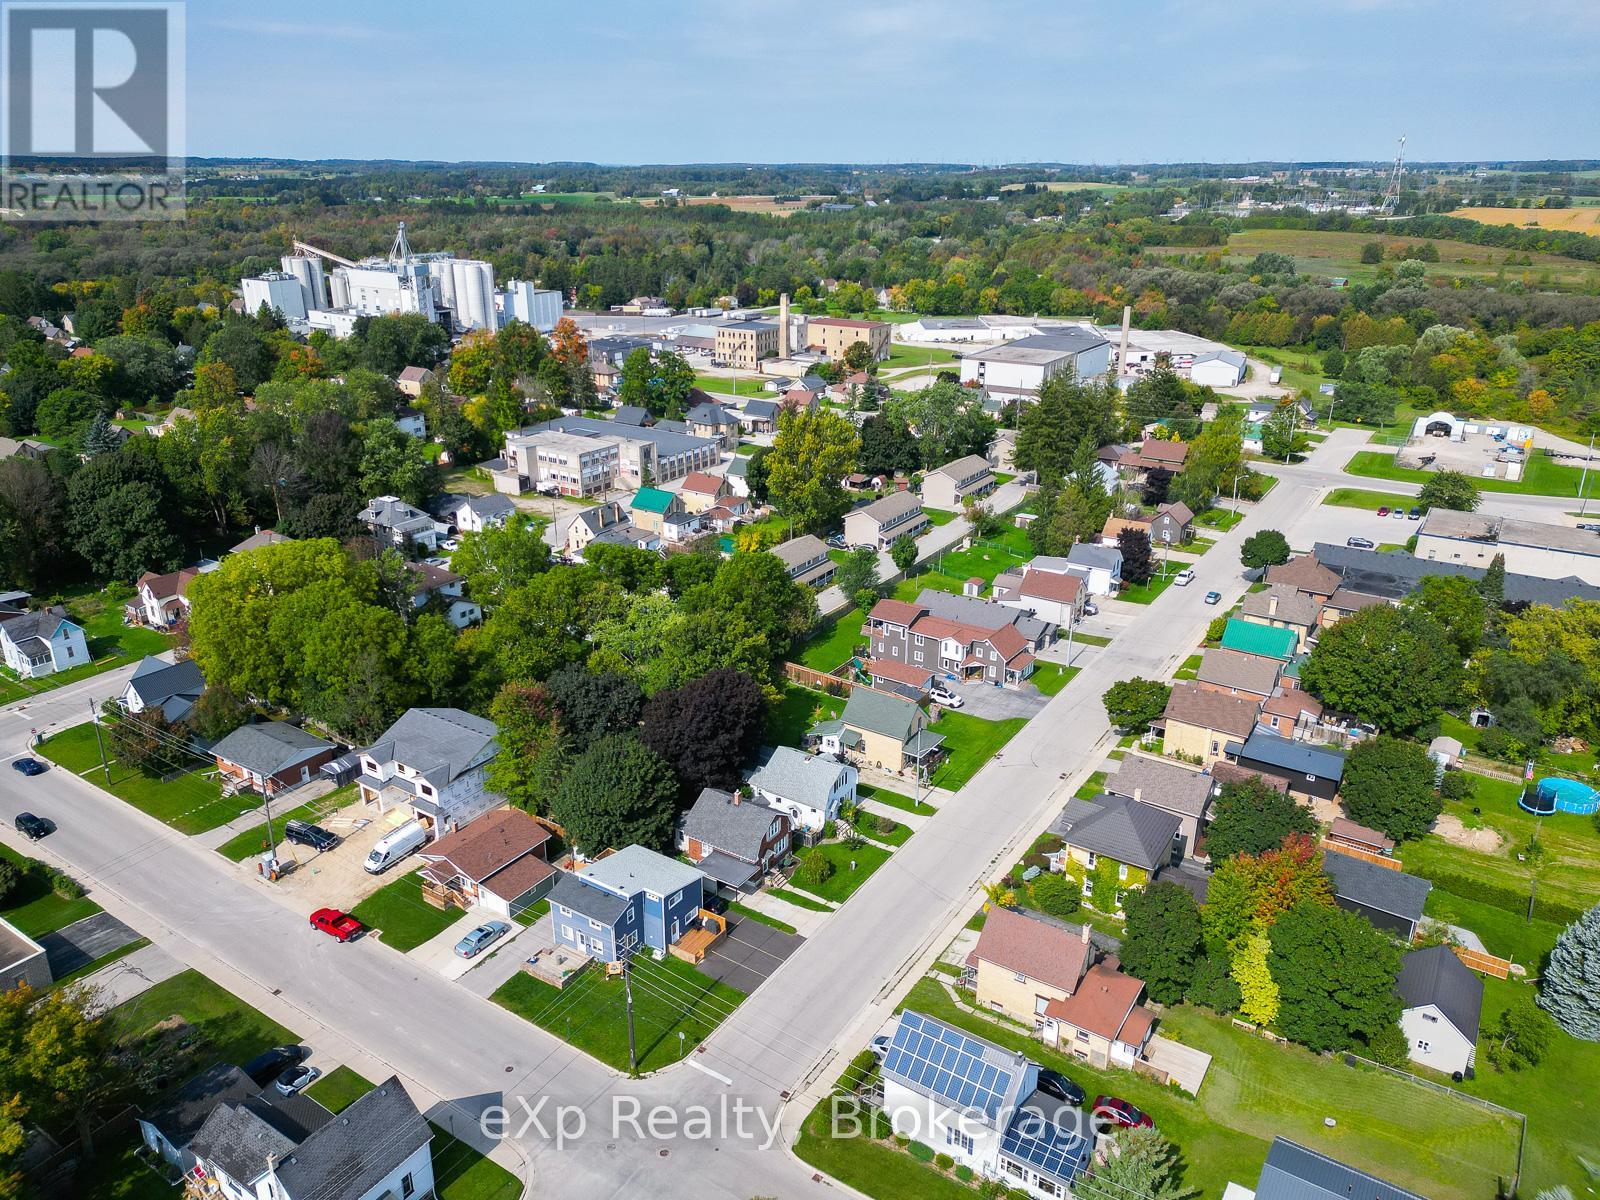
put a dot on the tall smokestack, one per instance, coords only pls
(783, 325)
(1122, 354)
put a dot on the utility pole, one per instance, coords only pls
(272, 842)
(627, 991)
(1583, 481)
(94, 717)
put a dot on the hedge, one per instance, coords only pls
(920, 1152)
(1499, 896)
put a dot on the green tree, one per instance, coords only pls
(1372, 253)
(66, 414)
(1492, 587)
(949, 422)
(1140, 1162)
(545, 624)
(394, 463)
(1457, 604)
(1137, 564)
(532, 756)
(591, 704)
(809, 458)
(1392, 667)
(1067, 413)
(1449, 489)
(243, 349)
(1250, 817)
(1335, 975)
(1569, 989)
(1268, 548)
(617, 793)
(1056, 894)
(903, 550)
(1388, 785)
(123, 519)
(499, 559)
(1163, 941)
(1214, 462)
(755, 474)
(858, 572)
(888, 446)
(1133, 703)
(1213, 986)
(1521, 1036)
(1280, 433)
(858, 356)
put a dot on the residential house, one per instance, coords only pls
(631, 900)
(412, 380)
(1290, 712)
(23, 962)
(1102, 1022)
(261, 537)
(759, 416)
(678, 528)
(1311, 772)
(168, 1130)
(808, 788)
(738, 476)
(572, 534)
(291, 1148)
(435, 762)
(1234, 673)
(169, 688)
(734, 839)
(42, 642)
(432, 583)
(1198, 723)
(949, 486)
(1172, 787)
(1292, 1172)
(650, 508)
(1346, 602)
(1112, 844)
(725, 517)
(1058, 599)
(900, 679)
(398, 524)
(1263, 408)
(1252, 637)
(632, 414)
(412, 422)
(959, 637)
(880, 522)
(799, 400)
(1443, 1003)
(1284, 607)
(701, 491)
(1170, 524)
(1003, 451)
(832, 336)
(1098, 566)
(979, 1104)
(13, 604)
(1153, 455)
(472, 514)
(270, 757)
(497, 863)
(162, 600)
(1023, 961)
(1391, 900)
(1446, 752)
(1306, 574)
(888, 732)
(708, 419)
(27, 448)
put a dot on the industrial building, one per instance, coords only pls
(1530, 547)
(582, 456)
(1022, 367)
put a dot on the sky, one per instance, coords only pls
(871, 81)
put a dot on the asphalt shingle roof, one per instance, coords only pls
(571, 892)
(353, 1152)
(1394, 574)
(636, 868)
(1379, 888)
(1292, 1172)
(1166, 785)
(269, 747)
(172, 687)
(716, 821)
(1239, 671)
(799, 777)
(879, 713)
(437, 743)
(1124, 830)
(1435, 975)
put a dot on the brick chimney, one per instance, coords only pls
(783, 325)
(1085, 932)
(737, 796)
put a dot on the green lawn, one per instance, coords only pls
(1505, 934)
(893, 799)
(460, 1172)
(834, 641)
(228, 1029)
(761, 918)
(938, 516)
(1144, 593)
(799, 899)
(841, 885)
(1540, 477)
(873, 1167)
(969, 742)
(35, 908)
(1051, 677)
(406, 919)
(798, 709)
(111, 643)
(1255, 1090)
(744, 385)
(916, 356)
(896, 836)
(1222, 519)
(1369, 500)
(1090, 639)
(669, 997)
(1190, 667)
(253, 841)
(189, 803)
(984, 560)
(119, 1172)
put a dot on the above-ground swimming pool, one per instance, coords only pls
(1559, 795)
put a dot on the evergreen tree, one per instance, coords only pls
(1492, 587)
(101, 438)
(1570, 988)
(1137, 564)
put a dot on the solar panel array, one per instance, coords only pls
(1038, 1141)
(945, 1063)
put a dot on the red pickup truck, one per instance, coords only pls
(335, 924)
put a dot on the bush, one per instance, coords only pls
(920, 1152)
(11, 877)
(65, 885)
(964, 1173)
(814, 870)
(861, 1070)
(943, 1161)
(1217, 628)
(1458, 785)
(1056, 895)
(885, 824)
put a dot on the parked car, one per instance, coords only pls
(1360, 543)
(451, 544)
(1213, 597)
(1183, 578)
(1090, 609)
(1399, 514)
(28, 766)
(304, 833)
(881, 1044)
(1383, 510)
(836, 540)
(1120, 1112)
(481, 938)
(266, 1067)
(291, 1079)
(1054, 1083)
(33, 828)
(392, 847)
(945, 697)
(1416, 513)
(335, 923)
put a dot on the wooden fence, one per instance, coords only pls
(1381, 860)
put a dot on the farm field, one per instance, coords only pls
(1331, 252)
(1576, 220)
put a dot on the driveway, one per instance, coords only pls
(80, 943)
(335, 878)
(749, 953)
(438, 953)
(997, 703)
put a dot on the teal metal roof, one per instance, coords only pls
(1265, 640)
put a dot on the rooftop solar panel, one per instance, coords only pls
(947, 1065)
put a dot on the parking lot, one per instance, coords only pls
(335, 878)
(997, 703)
(751, 952)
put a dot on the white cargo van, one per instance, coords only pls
(392, 847)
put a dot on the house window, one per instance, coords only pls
(1311, 778)
(1122, 870)
(69, 651)
(1083, 1035)
(1429, 1017)
(1013, 1169)
(954, 1137)
(593, 924)
(1213, 747)
(1424, 1046)
(1046, 1185)
(1039, 1003)
(407, 1185)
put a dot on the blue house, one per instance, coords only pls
(631, 898)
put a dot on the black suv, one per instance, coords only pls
(33, 828)
(264, 1068)
(304, 833)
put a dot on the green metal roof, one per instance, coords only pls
(1265, 640)
(652, 500)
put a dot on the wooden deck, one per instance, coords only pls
(696, 943)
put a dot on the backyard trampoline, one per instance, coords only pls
(1559, 795)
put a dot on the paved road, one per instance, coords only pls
(791, 1036)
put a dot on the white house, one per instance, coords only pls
(473, 514)
(1048, 595)
(808, 788)
(172, 688)
(42, 642)
(435, 762)
(401, 525)
(162, 600)
(1443, 1000)
(1098, 566)
(412, 421)
(947, 487)
(429, 582)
